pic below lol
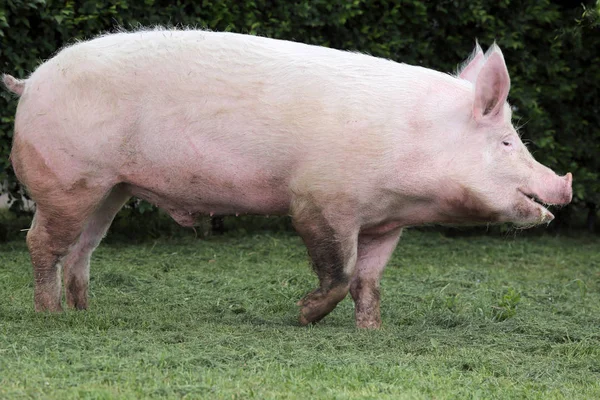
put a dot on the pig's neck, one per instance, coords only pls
(434, 200)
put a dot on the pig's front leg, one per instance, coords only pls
(331, 241)
(374, 252)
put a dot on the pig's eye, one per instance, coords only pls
(506, 143)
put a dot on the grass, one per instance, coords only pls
(477, 317)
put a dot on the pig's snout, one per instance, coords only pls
(564, 191)
(568, 192)
(556, 190)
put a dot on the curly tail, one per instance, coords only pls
(13, 84)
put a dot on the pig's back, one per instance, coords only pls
(232, 85)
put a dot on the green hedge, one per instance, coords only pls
(551, 49)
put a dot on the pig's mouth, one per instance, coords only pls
(536, 202)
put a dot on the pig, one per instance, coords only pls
(353, 147)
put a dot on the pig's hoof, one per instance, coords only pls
(368, 324)
(302, 320)
(318, 304)
(54, 308)
(368, 320)
(77, 295)
(312, 308)
(77, 305)
(311, 315)
(77, 302)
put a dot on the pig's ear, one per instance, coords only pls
(491, 87)
(470, 69)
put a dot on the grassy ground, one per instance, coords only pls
(512, 317)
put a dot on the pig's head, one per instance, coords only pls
(492, 176)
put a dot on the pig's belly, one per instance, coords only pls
(188, 192)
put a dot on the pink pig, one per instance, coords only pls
(353, 147)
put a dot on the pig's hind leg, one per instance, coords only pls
(331, 246)
(373, 254)
(59, 220)
(76, 264)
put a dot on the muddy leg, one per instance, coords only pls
(51, 235)
(46, 270)
(332, 249)
(373, 254)
(76, 265)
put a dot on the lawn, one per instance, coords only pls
(483, 317)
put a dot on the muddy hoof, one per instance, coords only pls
(318, 304)
(368, 323)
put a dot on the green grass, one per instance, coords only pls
(509, 317)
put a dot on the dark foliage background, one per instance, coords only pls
(551, 49)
